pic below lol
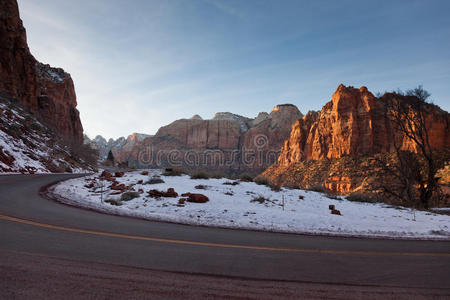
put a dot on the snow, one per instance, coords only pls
(56, 75)
(443, 209)
(232, 117)
(31, 147)
(310, 215)
(21, 153)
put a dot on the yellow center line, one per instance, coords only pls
(219, 245)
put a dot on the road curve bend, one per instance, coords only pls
(84, 252)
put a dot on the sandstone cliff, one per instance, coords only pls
(227, 142)
(329, 147)
(45, 91)
(354, 123)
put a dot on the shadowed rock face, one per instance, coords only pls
(353, 124)
(228, 142)
(47, 92)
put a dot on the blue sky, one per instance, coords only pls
(138, 65)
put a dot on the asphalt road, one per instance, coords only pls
(49, 250)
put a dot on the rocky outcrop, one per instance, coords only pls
(122, 148)
(119, 147)
(196, 117)
(227, 142)
(353, 124)
(45, 91)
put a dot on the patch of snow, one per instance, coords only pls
(233, 117)
(21, 154)
(30, 145)
(232, 207)
(54, 74)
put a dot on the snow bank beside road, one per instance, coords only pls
(232, 207)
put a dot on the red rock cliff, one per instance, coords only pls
(354, 123)
(228, 142)
(47, 92)
(332, 148)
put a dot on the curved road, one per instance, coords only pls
(50, 250)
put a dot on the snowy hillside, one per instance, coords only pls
(27, 146)
(235, 204)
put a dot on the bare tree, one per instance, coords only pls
(395, 176)
(409, 117)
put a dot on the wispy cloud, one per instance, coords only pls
(139, 67)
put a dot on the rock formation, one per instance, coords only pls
(45, 91)
(227, 142)
(119, 147)
(353, 124)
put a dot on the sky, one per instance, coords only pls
(139, 65)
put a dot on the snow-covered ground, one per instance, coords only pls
(232, 207)
(29, 148)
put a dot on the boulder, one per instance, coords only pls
(105, 174)
(170, 193)
(118, 187)
(195, 198)
(335, 212)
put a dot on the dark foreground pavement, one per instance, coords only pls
(54, 251)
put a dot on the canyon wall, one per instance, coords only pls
(228, 142)
(46, 92)
(330, 143)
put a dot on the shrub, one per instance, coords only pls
(129, 196)
(199, 175)
(14, 130)
(231, 183)
(275, 188)
(332, 196)
(246, 178)
(200, 187)
(173, 172)
(113, 202)
(317, 188)
(260, 199)
(291, 186)
(36, 127)
(229, 193)
(359, 197)
(218, 175)
(261, 181)
(154, 181)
